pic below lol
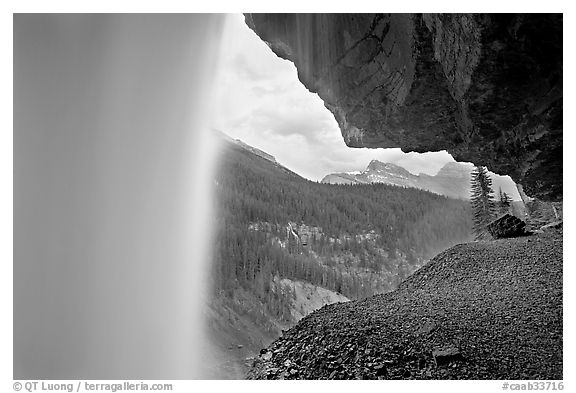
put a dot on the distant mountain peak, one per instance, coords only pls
(245, 146)
(452, 180)
(379, 165)
(256, 151)
(375, 163)
(456, 169)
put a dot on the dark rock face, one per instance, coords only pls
(507, 226)
(487, 88)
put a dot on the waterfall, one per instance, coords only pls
(112, 206)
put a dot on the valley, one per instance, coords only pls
(286, 246)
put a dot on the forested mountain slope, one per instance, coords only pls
(277, 232)
(262, 204)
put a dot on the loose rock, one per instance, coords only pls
(497, 312)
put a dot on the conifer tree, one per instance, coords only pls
(504, 202)
(482, 200)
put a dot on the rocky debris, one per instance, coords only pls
(540, 213)
(507, 226)
(485, 87)
(557, 225)
(267, 355)
(497, 304)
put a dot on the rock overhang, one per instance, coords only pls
(485, 87)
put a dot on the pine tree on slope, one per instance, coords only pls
(504, 202)
(482, 200)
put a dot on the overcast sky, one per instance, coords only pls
(260, 100)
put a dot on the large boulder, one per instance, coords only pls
(485, 87)
(507, 226)
(446, 356)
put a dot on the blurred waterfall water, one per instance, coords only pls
(112, 194)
